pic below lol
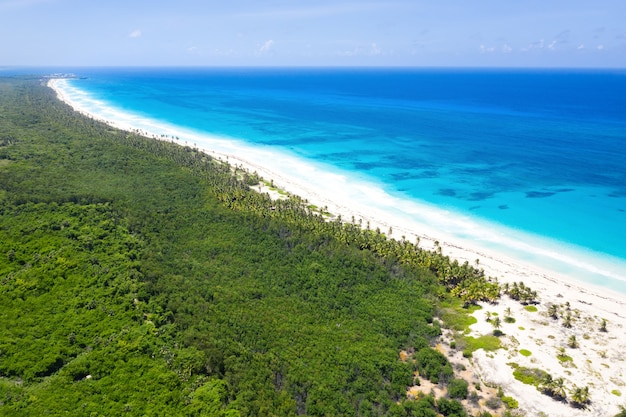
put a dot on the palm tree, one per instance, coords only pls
(487, 315)
(572, 342)
(514, 291)
(580, 396)
(559, 388)
(603, 326)
(567, 321)
(508, 316)
(496, 323)
(553, 311)
(547, 385)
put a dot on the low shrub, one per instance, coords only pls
(510, 402)
(458, 389)
(433, 365)
(494, 403)
(529, 376)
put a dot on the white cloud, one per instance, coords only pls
(551, 45)
(506, 48)
(600, 47)
(484, 49)
(375, 50)
(193, 50)
(581, 46)
(135, 34)
(266, 47)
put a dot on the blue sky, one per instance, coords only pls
(495, 33)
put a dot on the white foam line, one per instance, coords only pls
(505, 253)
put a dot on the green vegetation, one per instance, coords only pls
(494, 403)
(525, 352)
(496, 324)
(433, 365)
(567, 321)
(580, 397)
(531, 308)
(603, 326)
(457, 317)
(616, 392)
(510, 402)
(458, 389)
(144, 278)
(489, 343)
(520, 292)
(529, 376)
(553, 311)
(450, 408)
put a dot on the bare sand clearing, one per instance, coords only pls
(597, 363)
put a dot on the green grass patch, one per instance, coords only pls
(532, 309)
(616, 392)
(455, 317)
(564, 358)
(488, 342)
(509, 319)
(525, 352)
(522, 328)
(529, 376)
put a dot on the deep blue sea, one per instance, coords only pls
(540, 152)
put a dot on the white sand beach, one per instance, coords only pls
(598, 362)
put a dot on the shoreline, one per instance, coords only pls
(554, 288)
(495, 264)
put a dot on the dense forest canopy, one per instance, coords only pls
(140, 277)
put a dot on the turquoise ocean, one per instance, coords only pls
(535, 156)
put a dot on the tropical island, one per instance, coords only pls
(145, 277)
